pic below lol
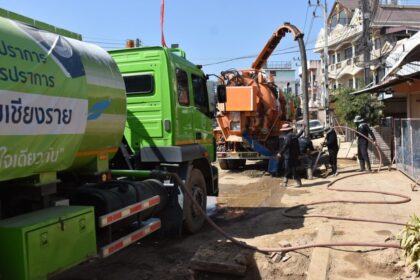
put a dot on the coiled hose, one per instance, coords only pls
(403, 199)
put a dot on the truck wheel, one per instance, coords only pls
(236, 163)
(194, 220)
(223, 164)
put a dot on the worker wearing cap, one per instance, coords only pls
(332, 145)
(362, 142)
(290, 154)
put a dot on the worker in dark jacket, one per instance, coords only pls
(305, 145)
(332, 145)
(306, 148)
(289, 152)
(362, 142)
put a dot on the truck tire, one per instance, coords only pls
(223, 163)
(194, 220)
(235, 164)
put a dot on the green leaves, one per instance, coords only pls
(347, 106)
(410, 242)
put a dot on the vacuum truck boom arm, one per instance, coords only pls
(274, 41)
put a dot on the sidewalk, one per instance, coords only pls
(348, 150)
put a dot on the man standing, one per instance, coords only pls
(362, 142)
(290, 154)
(306, 148)
(332, 145)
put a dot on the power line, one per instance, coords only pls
(306, 17)
(311, 25)
(252, 56)
(255, 55)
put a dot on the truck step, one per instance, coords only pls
(149, 226)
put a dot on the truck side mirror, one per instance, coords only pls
(221, 93)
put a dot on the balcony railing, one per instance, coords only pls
(399, 2)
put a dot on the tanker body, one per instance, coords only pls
(81, 136)
(250, 118)
(251, 109)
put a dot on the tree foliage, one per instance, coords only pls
(410, 242)
(348, 106)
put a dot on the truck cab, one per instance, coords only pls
(169, 118)
(167, 102)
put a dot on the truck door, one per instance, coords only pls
(202, 120)
(183, 118)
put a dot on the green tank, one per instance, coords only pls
(62, 103)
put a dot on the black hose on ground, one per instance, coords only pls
(275, 249)
(404, 199)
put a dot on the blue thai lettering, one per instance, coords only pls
(67, 116)
(59, 115)
(16, 110)
(49, 115)
(28, 114)
(7, 113)
(40, 115)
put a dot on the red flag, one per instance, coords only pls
(162, 16)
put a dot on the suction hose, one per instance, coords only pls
(295, 248)
(403, 199)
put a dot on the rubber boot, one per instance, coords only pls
(298, 183)
(368, 166)
(362, 166)
(284, 183)
(309, 173)
(334, 170)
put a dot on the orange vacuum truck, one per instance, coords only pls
(251, 108)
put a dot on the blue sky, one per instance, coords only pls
(209, 31)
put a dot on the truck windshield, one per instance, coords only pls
(139, 84)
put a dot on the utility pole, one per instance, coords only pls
(326, 93)
(366, 14)
(325, 100)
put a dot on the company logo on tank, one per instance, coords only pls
(35, 114)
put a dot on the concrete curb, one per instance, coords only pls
(320, 258)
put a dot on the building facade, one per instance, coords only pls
(283, 75)
(316, 110)
(390, 22)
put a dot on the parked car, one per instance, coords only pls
(316, 128)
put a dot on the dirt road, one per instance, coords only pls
(250, 208)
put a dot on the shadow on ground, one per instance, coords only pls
(156, 258)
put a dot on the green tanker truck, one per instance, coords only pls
(87, 140)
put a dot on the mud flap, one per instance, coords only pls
(171, 218)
